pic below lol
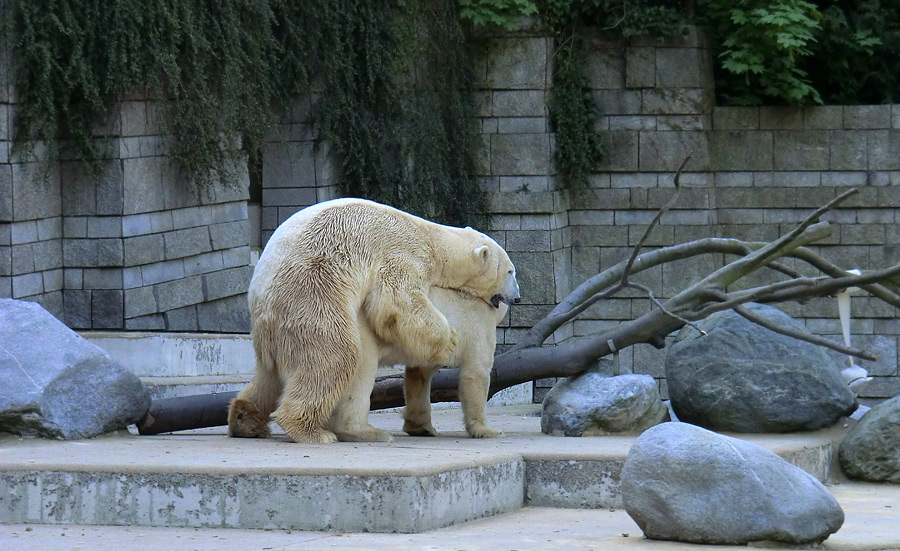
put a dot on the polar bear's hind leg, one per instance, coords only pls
(350, 419)
(417, 391)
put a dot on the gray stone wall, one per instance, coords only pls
(754, 173)
(297, 170)
(137, 247)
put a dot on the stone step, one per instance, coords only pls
(177, 354)
(204, 479)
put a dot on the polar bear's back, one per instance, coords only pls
(350, 239)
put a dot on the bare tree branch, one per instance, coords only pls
(655, 221)
(807, 337)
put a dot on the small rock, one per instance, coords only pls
(871, 450)
(55, 384)
(684, 483)
(745, 378)
(593, 404)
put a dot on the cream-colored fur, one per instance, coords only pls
(337, 283)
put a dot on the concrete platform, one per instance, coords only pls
(872, 523)
(203, 479)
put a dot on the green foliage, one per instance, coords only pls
(73, 59)
(761, 44)
(857, 56)
(393, 85)
(659, 18)
(573, 111)
(502, 14)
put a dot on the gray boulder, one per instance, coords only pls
(744, 378)
(55, 384)
(593, 404)
(684, 483)
(871, 450)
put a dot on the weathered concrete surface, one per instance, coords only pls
(202, 478)
(383, 503)
(870, 509)
(177, 354)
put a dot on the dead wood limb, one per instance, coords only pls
(799, 335)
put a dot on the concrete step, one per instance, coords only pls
(204, 479)
(177, 354)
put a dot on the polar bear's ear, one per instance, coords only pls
(482, 252)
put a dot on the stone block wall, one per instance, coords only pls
(297, 170)
(528, 210)
(137, 247)
(754, 174)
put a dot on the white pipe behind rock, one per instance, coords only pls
(856, 376)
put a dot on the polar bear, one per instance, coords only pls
(475, 322)
(337, 283)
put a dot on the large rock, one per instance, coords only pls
(744, 378)
(684, 483)
(593, 404)
(871, 450)
(55, 384)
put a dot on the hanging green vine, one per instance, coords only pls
(393, 82)
(573, 109)
(573, 113)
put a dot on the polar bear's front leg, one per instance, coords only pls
(417, 391)
(474, 382)
(407, 319)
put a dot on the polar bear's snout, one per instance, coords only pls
(510, 291)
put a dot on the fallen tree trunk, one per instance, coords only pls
(211, 410)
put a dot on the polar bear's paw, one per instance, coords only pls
(445, 350)
(479, 429)
(307, 436)
(413, 428)
(246, 421)
(365, 434)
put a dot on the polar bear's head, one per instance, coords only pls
(498, 265)
(494, 277)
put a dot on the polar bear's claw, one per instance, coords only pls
(481, 430)
(414, 429)
(312, 437)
